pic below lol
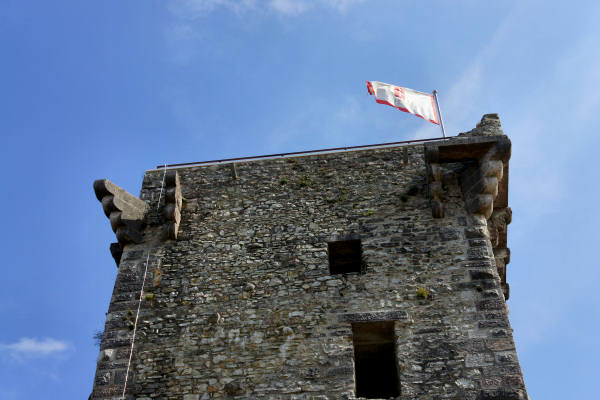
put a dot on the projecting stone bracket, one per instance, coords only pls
(125, 212)
(434, 172)
(171, 212)
(485, 158)
(483, 180)
(484, 153)
(497, 227)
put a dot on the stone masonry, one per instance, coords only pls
(240, 303)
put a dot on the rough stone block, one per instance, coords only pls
(375, 316)
(478, 360)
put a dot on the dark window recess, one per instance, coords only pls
(375, 360)
(345, 256)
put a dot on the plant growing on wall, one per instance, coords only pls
(423, 293)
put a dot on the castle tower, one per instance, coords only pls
(372, 273)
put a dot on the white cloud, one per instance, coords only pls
(34, 347)
(342, 5)
(479, 82)
(467, 91)
(548, 120)
(288, 7)
(191, 9)
(186, 38)
(194, 8)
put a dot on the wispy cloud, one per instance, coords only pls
(31, 347)
(342, 5)
(297, 7)
(544, 102)
(468, 88)
(550, 122)
(464, 102)
(186, 39)
(288, 7)
(192, 9)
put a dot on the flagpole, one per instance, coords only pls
(437, 104)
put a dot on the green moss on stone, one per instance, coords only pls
(423, 293)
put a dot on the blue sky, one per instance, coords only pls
(109, 89)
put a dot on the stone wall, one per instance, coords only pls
(242, 304)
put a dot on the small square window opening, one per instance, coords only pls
(345, 256)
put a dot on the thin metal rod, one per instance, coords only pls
(162, 185)
(137, 314)
(299, 152)
(437, 104)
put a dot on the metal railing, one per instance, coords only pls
(297, 153)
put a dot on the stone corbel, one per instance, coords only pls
(125, 211)
(484, 160)
(485, 189)
(480, 182)
(482, 155)
(497, 227)
(434, 181)
(172, 210)
(435, 190)
(502, 256)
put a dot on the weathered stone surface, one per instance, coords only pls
(483, 153)
(125, 212)
(171, 211)
(242, 305)
(488, 126)
(375, 316)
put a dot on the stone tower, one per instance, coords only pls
(372, 273)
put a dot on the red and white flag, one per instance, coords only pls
(404, 99)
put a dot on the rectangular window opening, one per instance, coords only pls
(345, 256)
(375, 360)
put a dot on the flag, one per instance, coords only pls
(404, 99)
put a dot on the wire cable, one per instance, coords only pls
(137, 314)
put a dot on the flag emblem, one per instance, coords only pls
(404, 99)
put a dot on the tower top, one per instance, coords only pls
(373, 273)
